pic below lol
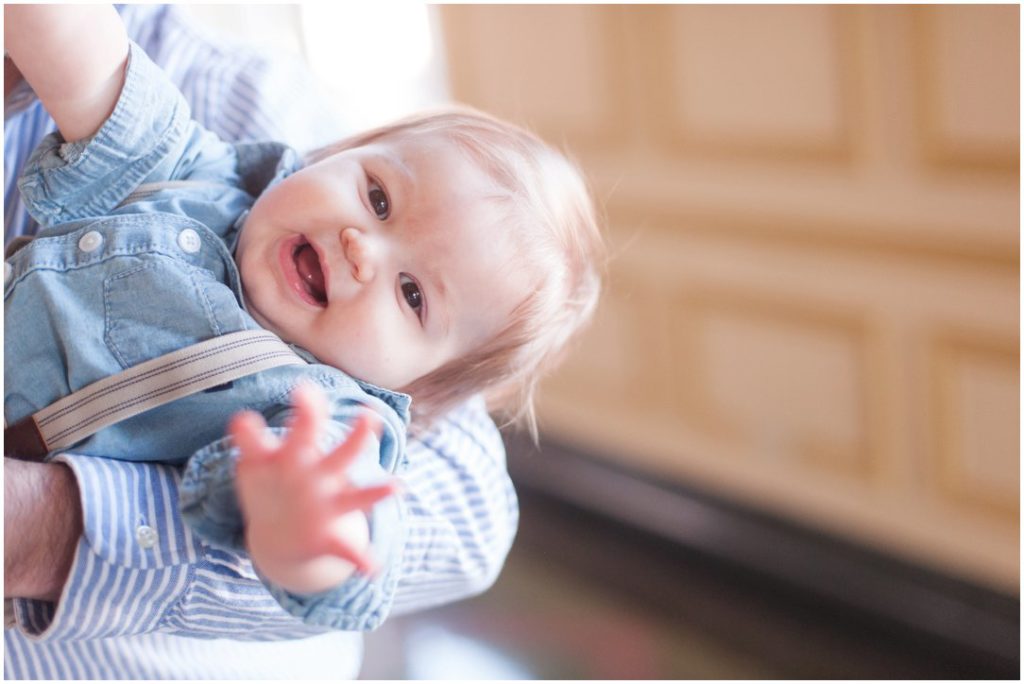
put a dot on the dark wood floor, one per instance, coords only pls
(584, 597)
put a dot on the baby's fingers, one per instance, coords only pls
(308, 419)
(342, 456)
(249, 432)
(362, 499)
(342, 549)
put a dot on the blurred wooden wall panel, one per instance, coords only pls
(814, 301)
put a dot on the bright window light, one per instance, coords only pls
(378, 61)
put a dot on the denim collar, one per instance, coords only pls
(397, 400)
(261, 165)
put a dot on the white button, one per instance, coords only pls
(8, 272)
(146, 536)
(90, 241)
(189, 241)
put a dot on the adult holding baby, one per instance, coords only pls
(115, 585)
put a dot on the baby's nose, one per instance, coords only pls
(354, 244)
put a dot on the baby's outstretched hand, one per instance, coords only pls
(305, 529)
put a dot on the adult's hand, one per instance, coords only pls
(42, 525)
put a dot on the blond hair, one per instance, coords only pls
(558, 235)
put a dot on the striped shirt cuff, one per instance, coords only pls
(133, 560)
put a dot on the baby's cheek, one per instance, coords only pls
(358, 350)
(386, 363)
(369, 343)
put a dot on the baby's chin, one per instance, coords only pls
(378, 377)
(369, 373)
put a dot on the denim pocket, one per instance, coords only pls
(159, 305)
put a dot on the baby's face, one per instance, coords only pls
(385, 261)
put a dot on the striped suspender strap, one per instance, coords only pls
(178, 374)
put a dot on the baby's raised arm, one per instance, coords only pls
(74, 58)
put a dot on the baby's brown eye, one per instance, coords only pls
(379, 201)
(412, 293)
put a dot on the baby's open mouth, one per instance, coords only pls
(311, 275)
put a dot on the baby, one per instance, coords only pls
(441, 256)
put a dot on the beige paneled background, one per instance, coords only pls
(814, 301)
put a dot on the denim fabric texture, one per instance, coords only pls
(134, 261)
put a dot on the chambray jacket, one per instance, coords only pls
(135, 261)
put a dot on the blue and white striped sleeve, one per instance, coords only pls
(138, 569)
(461, 511)
(236, 91)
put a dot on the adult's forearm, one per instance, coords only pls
(42, 525)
